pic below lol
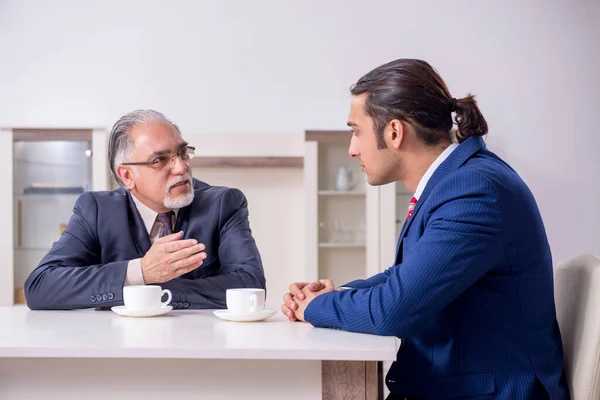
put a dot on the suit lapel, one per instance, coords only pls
(183, 216)
(458, 157)
(138, 229)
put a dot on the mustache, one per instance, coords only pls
(178, 179)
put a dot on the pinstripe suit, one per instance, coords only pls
(471, 294)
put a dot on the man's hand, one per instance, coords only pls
(308, 297)
(296, 290)
(170, 257)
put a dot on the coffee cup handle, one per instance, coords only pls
(169, 297)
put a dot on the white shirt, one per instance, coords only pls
(153, 227)
(429, 173)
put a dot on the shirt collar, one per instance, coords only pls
(438, 161)
(148, 215)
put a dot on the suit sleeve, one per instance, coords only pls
(372, 281)
(241, 265)
(460, 243)
(71, 275)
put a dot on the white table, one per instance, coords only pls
(90, 354)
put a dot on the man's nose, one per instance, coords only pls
(353, 148)
(179, 166)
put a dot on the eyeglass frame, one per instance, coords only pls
(171, 156)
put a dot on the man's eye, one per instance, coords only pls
(159, 160)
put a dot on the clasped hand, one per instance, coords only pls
(301, 294)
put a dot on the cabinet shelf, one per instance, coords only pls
(341, 245)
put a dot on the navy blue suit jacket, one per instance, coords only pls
(87, 266)
(471, 294)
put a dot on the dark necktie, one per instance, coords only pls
(166, 220)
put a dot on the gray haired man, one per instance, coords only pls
(161, 227)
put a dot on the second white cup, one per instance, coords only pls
(245, 301)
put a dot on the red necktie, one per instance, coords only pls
(411, 207)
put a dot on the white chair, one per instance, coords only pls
(577, 297)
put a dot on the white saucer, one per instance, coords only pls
(122, 310)
(228, 316)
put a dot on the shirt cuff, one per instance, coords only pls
(134, 273)
(343, 288)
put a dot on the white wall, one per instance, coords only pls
(283, 67)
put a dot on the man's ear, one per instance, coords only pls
(126, 174)
(396, 133)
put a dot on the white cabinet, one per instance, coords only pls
(46, 170)
(350, 234)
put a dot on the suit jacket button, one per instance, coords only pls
(179, 304)
(104, 297)
(111, 296)
(93, 299)
(174, 304)
(186, 304)
(99, 297)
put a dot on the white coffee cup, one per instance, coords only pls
(145, 297)
(245, 301)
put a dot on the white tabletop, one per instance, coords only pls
(178, 334)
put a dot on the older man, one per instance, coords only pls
(161, 227)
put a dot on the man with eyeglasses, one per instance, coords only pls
(161, 227)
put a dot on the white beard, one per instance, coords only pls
(182, 200)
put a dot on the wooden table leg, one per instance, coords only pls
(352, 380)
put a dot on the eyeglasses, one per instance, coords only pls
(185, 154)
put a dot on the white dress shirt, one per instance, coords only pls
(429, 173)
(153, 227)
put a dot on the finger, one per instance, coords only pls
(172, 247)
(296, 289)
(307, 292)
(288, 313)
(315, 286)
(188, 264)
(287, 300)
(295, 286)
(170, 238)
(327, 284)
(186, 252)
(175, 273)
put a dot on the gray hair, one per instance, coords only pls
(120, 144)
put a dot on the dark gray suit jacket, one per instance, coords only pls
(87, 266)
